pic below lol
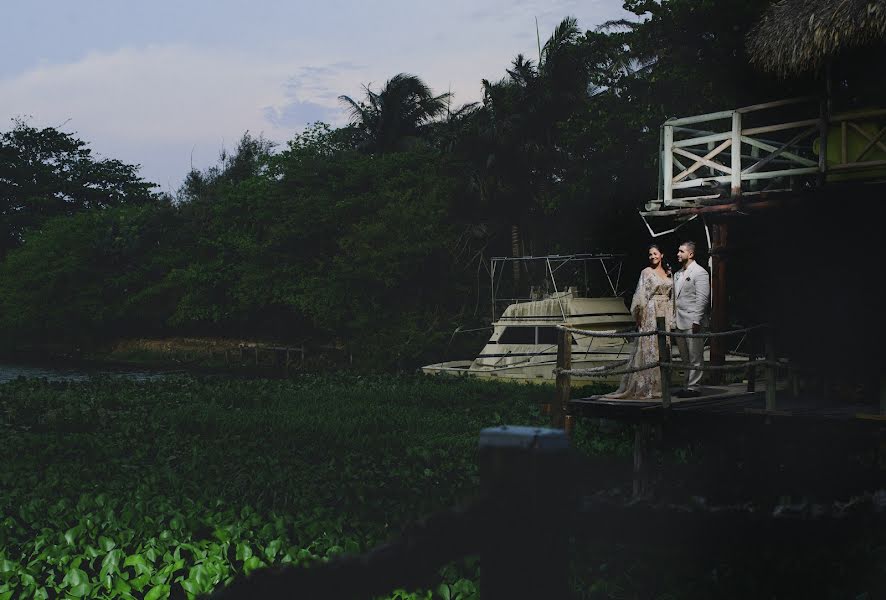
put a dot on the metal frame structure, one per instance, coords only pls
(610, 263)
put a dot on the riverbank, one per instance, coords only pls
(198, 355)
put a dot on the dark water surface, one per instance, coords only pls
(59, 372)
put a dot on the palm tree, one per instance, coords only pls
(394, 117)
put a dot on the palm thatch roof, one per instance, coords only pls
(798, 35)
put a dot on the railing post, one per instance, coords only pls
(667, 167)
(736, 154)
(664, 356)
(525, 475)
(771, 369)
(563, 392)
(823, 141)
(752, 356)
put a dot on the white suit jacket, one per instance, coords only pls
(692, 296)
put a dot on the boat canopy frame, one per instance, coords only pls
(611, 264)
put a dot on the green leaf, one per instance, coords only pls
(80, 590)
(140, 582)
(139, 563)
(110, 563)
(75, 577)
(244, 552)
(158, 592)
(121, 585)
(252, 564)
(7, 566)
(106, 544)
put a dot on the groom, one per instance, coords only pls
(692, 293)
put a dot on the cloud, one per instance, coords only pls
(191, 101)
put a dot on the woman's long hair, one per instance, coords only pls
(664, 263)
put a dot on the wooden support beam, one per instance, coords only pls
(698, 163)
(664, 355)
(719, 309)
(752, 356)
(563, 383)
(701, 160)
(771, 369)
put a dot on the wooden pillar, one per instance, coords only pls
(720, 308)
(526, 475)
(563, 391)
(642, 435)
(752, 356)
(664, 356)
(771, 369)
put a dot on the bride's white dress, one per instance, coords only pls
(653, 298)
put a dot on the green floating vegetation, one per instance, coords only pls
(120, 489)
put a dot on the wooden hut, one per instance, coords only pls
(793, 191)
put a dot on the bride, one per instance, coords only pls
(653, 298)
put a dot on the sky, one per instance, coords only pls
(168, 84)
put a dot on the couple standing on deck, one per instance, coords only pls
(684, 303)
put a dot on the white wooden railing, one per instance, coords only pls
(764, 147)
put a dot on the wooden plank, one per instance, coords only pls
(771, 370)
(698, 164)
(700, 141)
(780, 127)
(663, 354)
(857, 165)
(871, 140)
(771, 147)
(735, 170)
(668, 164)
(704, 161)
(701, 181)
(780, 150)
(775, 104)
(780, 173)
(714, 116)
(563, 382)
(683, 167)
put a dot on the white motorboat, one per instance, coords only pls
(523, 343)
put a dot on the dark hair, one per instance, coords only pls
(664, 263)
(690, 245)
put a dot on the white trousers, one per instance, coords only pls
(692, 355)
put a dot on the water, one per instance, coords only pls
(10, 372)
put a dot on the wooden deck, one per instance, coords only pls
(730, 401)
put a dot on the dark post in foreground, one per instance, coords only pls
(771, 369)
(564, 361)
(524, 474)
(664, 355)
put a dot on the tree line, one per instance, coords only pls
(375, 234)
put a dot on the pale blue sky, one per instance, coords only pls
(166, 84)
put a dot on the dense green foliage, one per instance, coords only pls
(120, 489)
(166, 488)
(374, 236)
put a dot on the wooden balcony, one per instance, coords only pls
(751, 152)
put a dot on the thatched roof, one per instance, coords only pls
(797, 35)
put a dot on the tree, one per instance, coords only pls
(45, 173)
(394, 117)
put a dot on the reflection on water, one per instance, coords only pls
(9, 372)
